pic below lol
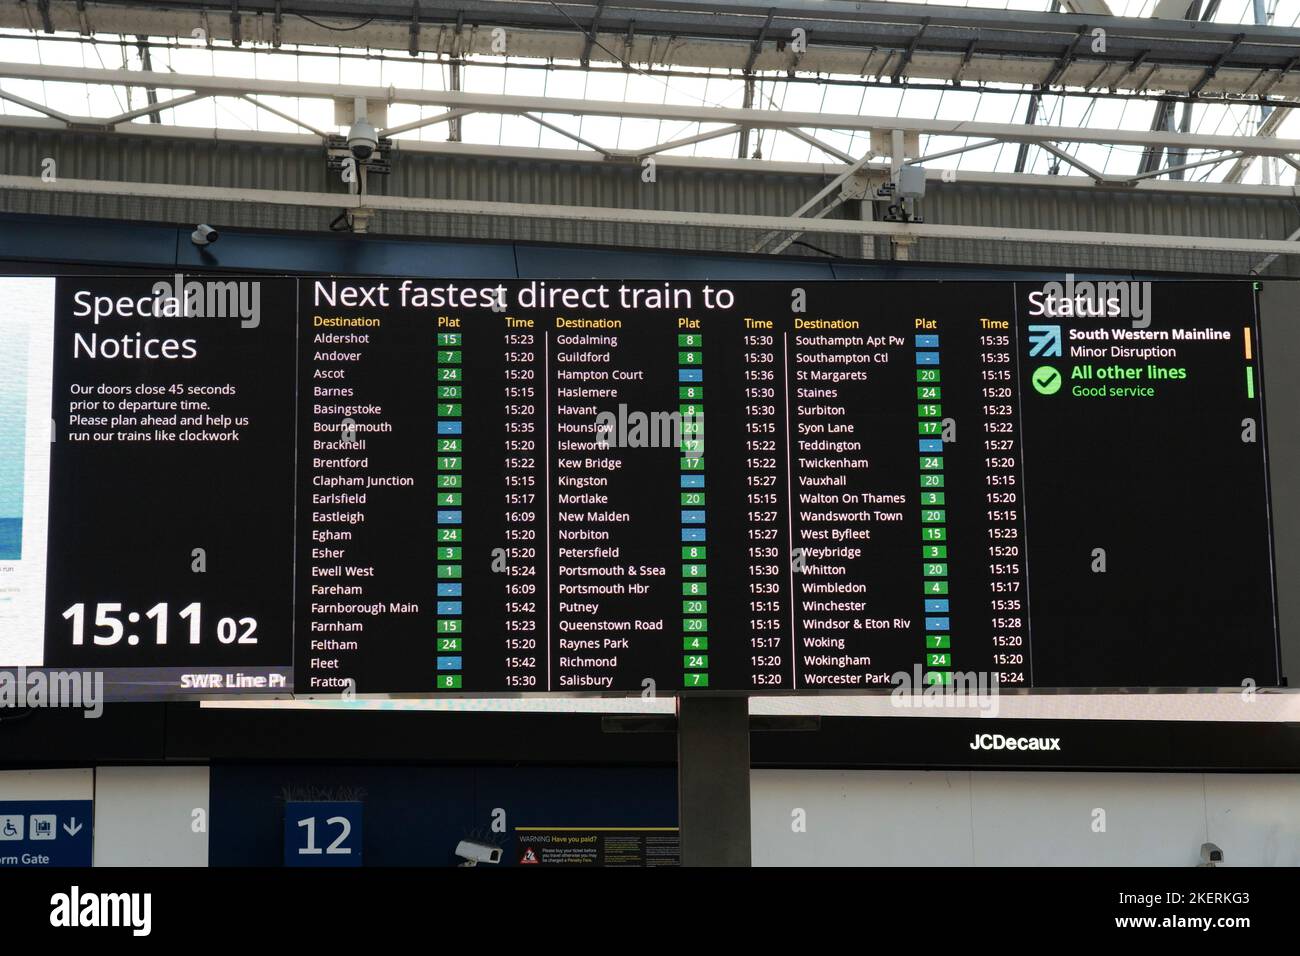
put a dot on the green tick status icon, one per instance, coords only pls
(1047, 380)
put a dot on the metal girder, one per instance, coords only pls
(166, 105)
(826, 148)
(1182, 167)
(1068, 57)
(1069, 160)
(43, 6)
(1153, 156)
(691, 140)
(38, 107)
(1214, 68)
(1013, 46)
(966, 57)
(920, 160)
(1031, 114)
(742, 140)
(454, 77)
(906, 58)
(729, 18)
(236, 24)
(758, 118)
(707, 220)
(285, 116)
(1268, 127)
(1163, 116)
(1269, 259)
(566, 133)
(757, 48)
(591, 31)
(146, 61)
(698, 163)
(447, 117)
(413, 30)
(809, 204)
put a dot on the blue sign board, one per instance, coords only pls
(46, 832)
(417, 816)
(320, 833)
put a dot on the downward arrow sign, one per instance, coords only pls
(74, 829)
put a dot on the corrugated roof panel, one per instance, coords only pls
(93, 155)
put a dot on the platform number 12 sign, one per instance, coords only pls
(322, 833)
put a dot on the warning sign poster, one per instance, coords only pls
(597, 846)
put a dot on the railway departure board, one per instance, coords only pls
(219, 484)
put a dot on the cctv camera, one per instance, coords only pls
(362, 140)
(204, 235)
(475, 853)
(911, 182)
(1211, 855)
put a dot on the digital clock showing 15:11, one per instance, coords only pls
(110, 625)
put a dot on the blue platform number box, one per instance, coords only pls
(320, 833)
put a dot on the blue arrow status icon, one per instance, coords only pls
(1044, 340)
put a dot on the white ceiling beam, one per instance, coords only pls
(692, 140)
(567, 134)
(156, 107)
(427, 121)
(756, 118)
(284, 116)
(969, 147)
(37, 107)
(1181, 167)
(1287, 193)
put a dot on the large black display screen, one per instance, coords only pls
(428, 486)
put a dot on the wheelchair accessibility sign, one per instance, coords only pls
(46, 833)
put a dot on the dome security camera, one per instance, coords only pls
(362, 140)
(204, 235)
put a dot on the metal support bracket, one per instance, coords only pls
(413, 30)
(236, 25)
(757, 46)
(911, 49)
(585, 59)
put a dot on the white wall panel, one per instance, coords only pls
(145, 816)
(992, 818)
(861, 818)
(1254, 818)
(1046, 819)
(47, 785)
